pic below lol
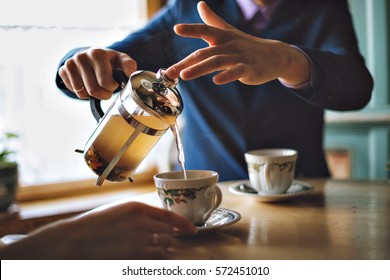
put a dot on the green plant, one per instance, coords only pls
(5, 152)
(8, 172)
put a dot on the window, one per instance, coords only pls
(35, 35)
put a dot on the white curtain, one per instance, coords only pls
(34, 36)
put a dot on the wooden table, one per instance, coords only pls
(338, 220)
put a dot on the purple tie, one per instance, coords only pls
(257, 24)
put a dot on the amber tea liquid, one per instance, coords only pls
(114, 134)
(180, 150)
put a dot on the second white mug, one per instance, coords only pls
(271, 171)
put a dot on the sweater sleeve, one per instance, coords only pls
(339, 78)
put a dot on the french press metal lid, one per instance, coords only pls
(156, 94)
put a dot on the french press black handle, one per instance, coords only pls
(94, 103)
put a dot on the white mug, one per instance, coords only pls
(271, 171)
(194, 198)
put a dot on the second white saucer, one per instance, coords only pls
(298, 188)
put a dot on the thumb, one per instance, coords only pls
(211, 18)
(125, 63)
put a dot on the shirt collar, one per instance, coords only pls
(249, 9)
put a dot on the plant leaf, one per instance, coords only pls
(10, 135)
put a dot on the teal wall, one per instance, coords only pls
(365, 134)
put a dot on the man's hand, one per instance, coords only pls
(89, 72)
(236, 55)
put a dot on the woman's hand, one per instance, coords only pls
(89, 72)
(238, 56)
(128, 230)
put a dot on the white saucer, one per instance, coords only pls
(298, 188)
(221, 217)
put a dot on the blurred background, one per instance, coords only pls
(35, 35)
(357, 143)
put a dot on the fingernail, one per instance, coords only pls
(169, 250)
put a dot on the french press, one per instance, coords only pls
(140, 114)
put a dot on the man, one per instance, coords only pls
(275, 76)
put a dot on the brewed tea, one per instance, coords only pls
(180, 150)
(113, 136)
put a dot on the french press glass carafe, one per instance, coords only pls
(141, 113)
